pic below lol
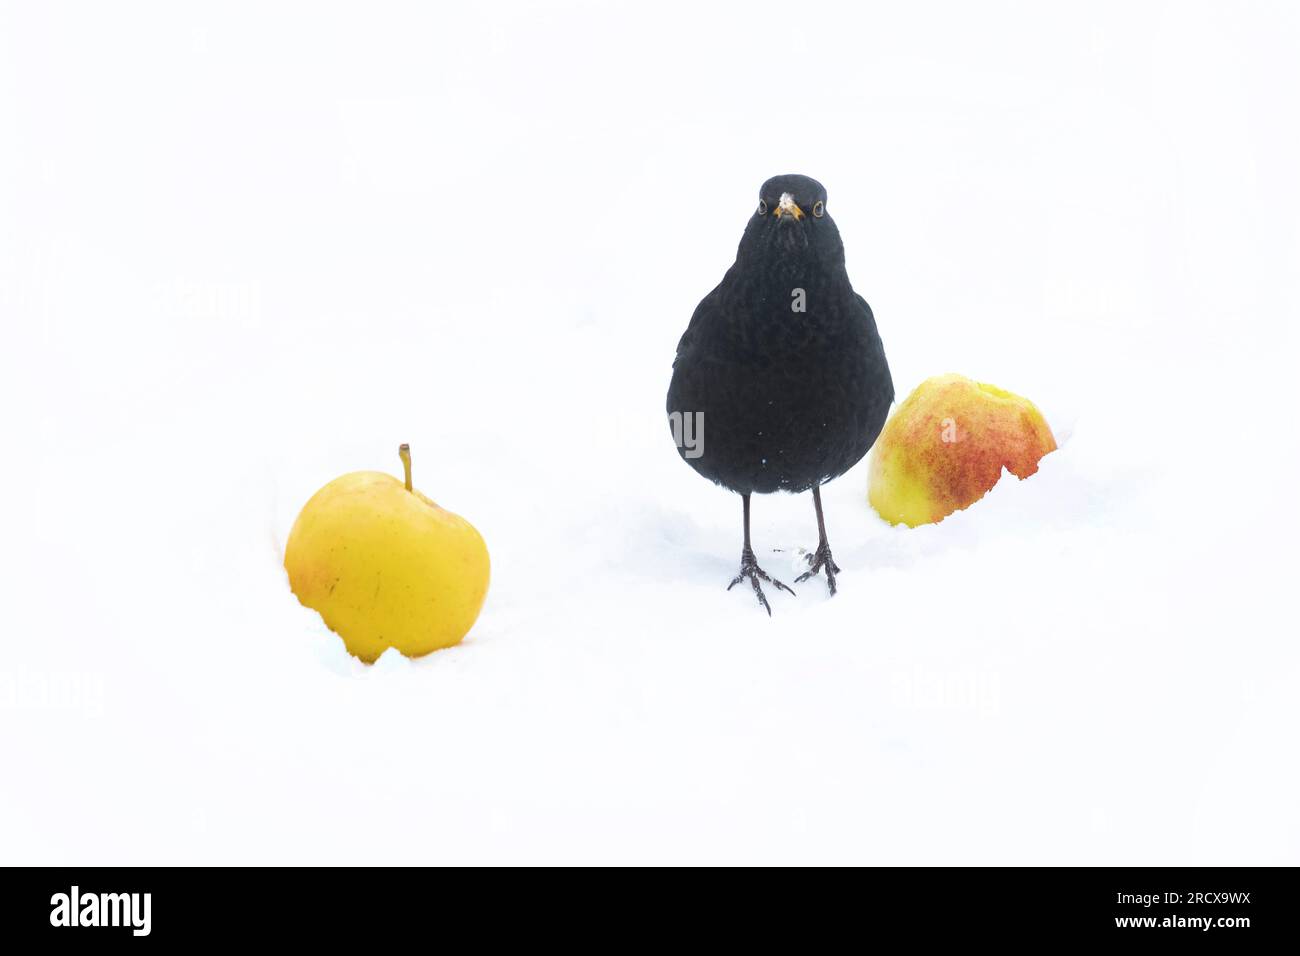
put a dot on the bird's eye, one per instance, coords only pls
(819, 209)
(762, 208)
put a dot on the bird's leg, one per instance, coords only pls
(821, 558)
(749, 568)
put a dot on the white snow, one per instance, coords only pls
(243, 253)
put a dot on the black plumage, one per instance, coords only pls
(783, 399)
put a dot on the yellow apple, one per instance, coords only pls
(385, 566)
(946, 446)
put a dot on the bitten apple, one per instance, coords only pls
(946, 446)
(385, 566)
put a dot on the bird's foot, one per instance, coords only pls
(749, 569)
(821, 558)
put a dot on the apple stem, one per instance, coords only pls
(405, 453)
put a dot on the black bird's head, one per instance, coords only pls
(791, 218)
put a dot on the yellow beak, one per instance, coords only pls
(787, 207)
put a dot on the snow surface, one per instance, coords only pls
(249, 249)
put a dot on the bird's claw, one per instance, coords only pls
(749, 569)
(821, 558)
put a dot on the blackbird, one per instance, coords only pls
(780, 381)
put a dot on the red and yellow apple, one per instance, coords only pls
(945, 446)
(385, 566)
